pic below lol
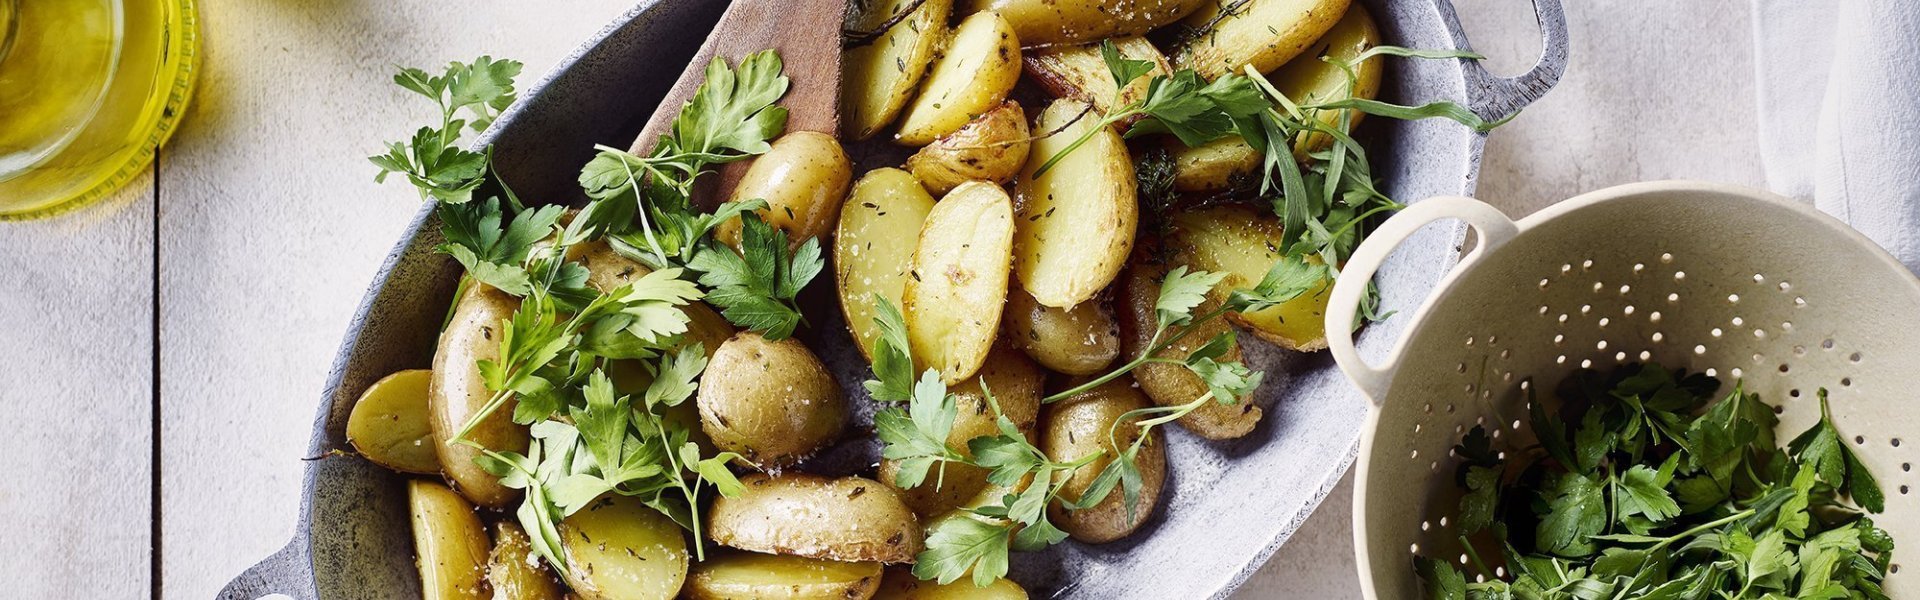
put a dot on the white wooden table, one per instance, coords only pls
(269, 228)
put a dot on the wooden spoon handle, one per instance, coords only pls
(806, 33)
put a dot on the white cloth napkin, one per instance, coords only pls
(1839, 106)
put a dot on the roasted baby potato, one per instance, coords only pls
(979, 67)
(772, 402)
(753, 576)
(900, 584)
(1048, 22)
(991, 147)
(958, 285)
(873, 247)
(607, 270)
(1078, 72)
(458, 392)
(1213, 166)
(1245, 243)
(1081, 340)
(880, 74)
(389, 424)
(1078, 427)
(1076, 221)
(803, 178)
(619, 549)
(1170, 384)
(512, 569)
(450, 541)
(850, 519)
(1017, 386)
(1308, 79)
(1262, 33)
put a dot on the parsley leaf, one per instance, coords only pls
(960, 544)
(756, 288)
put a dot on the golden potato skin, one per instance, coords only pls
(1078, 72)
(957, 288)
(514, 571)
(1076, 221)
(979, 66)
(1308, 79)
(619, 549)
(803, 178)
(1081, 340)
(1048, 22)
(1262, 33)
(755, 576)
(1173, 385)
(900, 584)
(772, 402)
(1213, 166)
(458, 392)
(991, 147)
(1243, 243)
(450, 542)
(607, 270)
(1017, 385)
(873, 247)
(879, 77)
(850, 519)
(1078, 427)
(389, 424)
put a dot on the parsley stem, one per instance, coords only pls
(1130, 110)
(1474, 555)
(1154, 347)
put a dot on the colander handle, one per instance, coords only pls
(1492, 229)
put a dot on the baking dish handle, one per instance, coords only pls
(287, 572)
(1492, 229)
(1494, 97)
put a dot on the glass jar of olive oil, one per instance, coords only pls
(89, 90)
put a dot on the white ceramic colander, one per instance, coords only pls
(1738, 283)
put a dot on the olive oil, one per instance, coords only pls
(89, 90)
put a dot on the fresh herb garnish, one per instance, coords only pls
(431, 160)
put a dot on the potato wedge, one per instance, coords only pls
(803, 178)
(450, 541)
(607, 270)
(1244, 244)
(979, 67)
(389, 425)
(513, 570)
(753, 576)
(1308, 79)
(1017, 386)
(1170, 384)
(991, 147)
(900, 584)
(458, 392)
(772, 402)
(1081, 340)
(1076, 221)
(1262, 33)
(1049, 22)
(1079, 426)
(850, 519)
(1213, 166)
(958, 285)
(873, 247)
(1079, 73)
(619, 549)
(879, 76)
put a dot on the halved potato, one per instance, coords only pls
(958, 285)
(513, 569)
(1076, 220)
(878, 77)
(1262, 33)
(1083, 425)
(1244, 244)
(1308, 79)
(850, 519)
(450, 541)
(803, 178)
(1172, 384)
(1081, 340)
(1017, 385)
(1213, 166)
(992, 147)
(607, 270)
(900, 584)
(772, 402)
(618, 549)
(389, 424)
(979, 67)
(873, 246)
(1079, 73)
(1047, 22)
(753, 576)
(458, 392)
